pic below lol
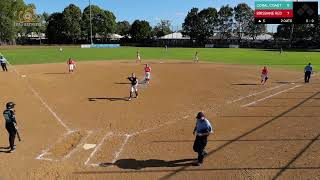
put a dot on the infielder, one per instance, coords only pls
(134, 85)
(71, 65)
(196, 57)
(202, 130)
(11, 124)
(3, 63)
(264, 75)
(138, 57)
(147, 71)
(307, 73)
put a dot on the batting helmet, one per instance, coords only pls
(10, 105)
(200, 115)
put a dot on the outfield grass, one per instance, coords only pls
(36, 55)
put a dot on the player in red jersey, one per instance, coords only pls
(71, 65)
(264, 75)
(147, 71)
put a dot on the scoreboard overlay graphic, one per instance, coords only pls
(286, 12)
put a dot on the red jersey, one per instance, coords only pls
(147, 69)
(265, 71)
(71, 62)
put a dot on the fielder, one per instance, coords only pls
(307, 73)
(134, 85)
(11, 124)
(147, 71)
(196, 57)
(202, 130)
(3, 63)
(138, 57)
(71, 65)
(264, 75)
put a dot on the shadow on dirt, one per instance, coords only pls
(122, 83)
(246, 84)
(4, 149)
(141, 164)
(57, 73)
(110, 99)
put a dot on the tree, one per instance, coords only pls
(253, 30)
(72, 21)
(108, 23)
(56, 32)
(140, 30)
(243, 18)
(123, 28)
(103, 22)
(201, 25)
(9, 11)
(225, 20)
(191, 24)
(162, 29)
(299, 31)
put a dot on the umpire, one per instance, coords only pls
(307, 73)
(3, 63)
(9, 116)
(202, 130)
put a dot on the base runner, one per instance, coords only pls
(264, 75)
(134, 85)
(147, 71)
(71, 65)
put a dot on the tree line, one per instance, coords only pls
(73, 25)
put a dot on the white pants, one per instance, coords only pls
(264, 77)
(148, 75)
(71, 67)
(134, 88)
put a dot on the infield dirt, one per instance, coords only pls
(151, 137)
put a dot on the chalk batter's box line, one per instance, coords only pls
(46, 151)
(125, 141)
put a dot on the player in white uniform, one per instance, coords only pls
(138, 57)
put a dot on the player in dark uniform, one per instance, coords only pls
(134, 85)
(11, 123)
(202, 130)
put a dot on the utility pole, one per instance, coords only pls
(90, 22)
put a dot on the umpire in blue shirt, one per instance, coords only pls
(307, 73)
(202, 130)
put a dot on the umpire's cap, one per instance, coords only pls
(200, 115)
(10, 105)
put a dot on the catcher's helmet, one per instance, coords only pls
(10, 105)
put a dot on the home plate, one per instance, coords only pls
(23, 76)
(89, 146)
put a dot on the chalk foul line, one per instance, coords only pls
(254, 102)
